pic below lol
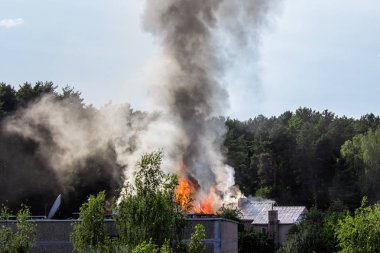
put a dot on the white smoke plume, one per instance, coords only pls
(192, 95)
(190, 34)
(67, 133)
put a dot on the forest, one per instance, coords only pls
(305, 157)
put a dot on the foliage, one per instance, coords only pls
(147, 210)
(149, 247)
(296, 158)
(20, 239)
(360, 233)
(251, 241)
(165, 248)
(230, 212)
(90, 233)
(145, 247)
(8, 98)
(362, 155)
(264, 192)
(147, 218)
(196, 245)
(315, 233)
(304, 157)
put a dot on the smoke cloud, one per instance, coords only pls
(67, 133)
(198, 38)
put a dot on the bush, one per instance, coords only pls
(253, 241)
(196, 245)
(315, 233)
(230, 212)
(22, 239)
(90, 234)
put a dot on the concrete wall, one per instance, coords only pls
(221, 235)
(283, 230)
(54, 235)
(229, 236)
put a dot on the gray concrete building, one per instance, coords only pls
(266, 216)
(53, 236)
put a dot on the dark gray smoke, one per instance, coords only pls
(200, 39)
(55, 146)
(197, 38)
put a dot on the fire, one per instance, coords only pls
(184, 196)
(206, 204)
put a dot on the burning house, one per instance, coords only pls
(199, 40)
(266, 216)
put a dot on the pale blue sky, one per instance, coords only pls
(323, 54)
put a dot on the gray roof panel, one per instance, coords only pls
(257, 211)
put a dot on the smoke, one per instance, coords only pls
(198, 39)
(69, 136)
(67, 133)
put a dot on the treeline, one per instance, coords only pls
(306, 157)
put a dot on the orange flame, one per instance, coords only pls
(184, 197)
(183, 194)
(206, 204)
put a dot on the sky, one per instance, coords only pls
(322, 54)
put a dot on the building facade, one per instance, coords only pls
(267, 217)
(54, 235)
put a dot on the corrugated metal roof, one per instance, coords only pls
(257, 211)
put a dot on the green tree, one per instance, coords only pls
(90, 233)
(27, 92)
(266, 170)
(360, 233)
(147, 209)
(5, 230)
(149, 247)
(22, 238)
(145, 247)
(8, 99)
(70, 95)
(361, 155)
(254, 241)
(196, 245)
(230, 212)
(315, 233)
(147, 217)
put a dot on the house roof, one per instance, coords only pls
(257, 211)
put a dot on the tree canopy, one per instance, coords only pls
(360, 233)
(146, 208)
